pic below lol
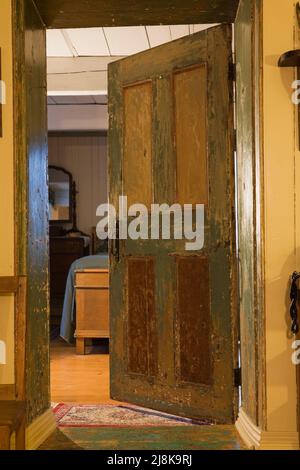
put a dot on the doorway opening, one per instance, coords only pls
(78, 123)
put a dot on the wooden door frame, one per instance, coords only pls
(72, 14)
(250, 17)
(22, 118)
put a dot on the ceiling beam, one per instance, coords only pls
(97, 13)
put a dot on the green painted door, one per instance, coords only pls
(173, 311)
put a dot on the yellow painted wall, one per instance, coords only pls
(282, 215)
(6, 193)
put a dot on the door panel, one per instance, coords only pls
(172, 311)
(194, 328)
(137, 157)
(142, 340)
(190, 92)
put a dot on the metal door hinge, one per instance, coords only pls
(238, 377)
(232, 72)
(234, 140)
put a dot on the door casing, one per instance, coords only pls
(26, 20)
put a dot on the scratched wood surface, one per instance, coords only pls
(190, 96)
(32, 195)
(200, 388)
(137, 158)
(142, 332)
(91, 13)
(194, 364)
(176, 438)
(250, 208)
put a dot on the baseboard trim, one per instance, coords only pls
(250, 433)
(282, 440)
(7, 392)
(254, 438)
(41, 428)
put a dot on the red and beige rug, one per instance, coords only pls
(97, 416)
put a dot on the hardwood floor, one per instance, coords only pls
(85, 379)
(79, 379)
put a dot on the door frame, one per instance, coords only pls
(24, 120)
(249, 121)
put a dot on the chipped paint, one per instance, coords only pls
(176, 438)
(32, 197)
(167, 391)
(93, 13)
(248, 170)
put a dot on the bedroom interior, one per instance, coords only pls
(77, 186)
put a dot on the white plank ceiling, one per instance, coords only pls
(118, 41)
(77, 68)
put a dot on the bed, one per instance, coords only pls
(95, 262)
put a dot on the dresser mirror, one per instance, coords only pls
(60, 195)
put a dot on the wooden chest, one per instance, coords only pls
(92, 305)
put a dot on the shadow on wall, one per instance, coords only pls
(288, 75)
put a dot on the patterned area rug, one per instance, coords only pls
(97, 416)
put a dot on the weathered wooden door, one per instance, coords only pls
(173, 311)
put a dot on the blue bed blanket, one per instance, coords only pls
(67, 321)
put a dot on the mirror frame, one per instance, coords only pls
(67, 221)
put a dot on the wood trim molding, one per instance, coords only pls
(30, 131)
(254, 438)
(254, 394)
(20, 338)
(250, 434)
(259, 210)
(95, 13)
(282, 440)
(38, 431)
(7, 392)
(20, 141)
(92, 334)
(41, 428)
(8, 285)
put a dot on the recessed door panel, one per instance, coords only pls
(190, 98)
(137, 156)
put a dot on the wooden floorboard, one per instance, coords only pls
(79, 379)
(85, 379)
(156, 438)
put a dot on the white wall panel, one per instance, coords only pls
(77, 118)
